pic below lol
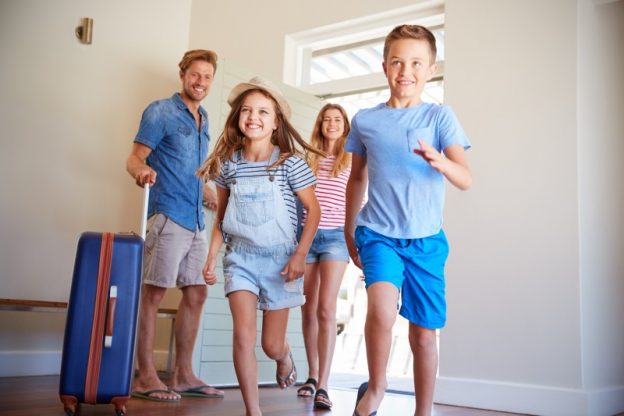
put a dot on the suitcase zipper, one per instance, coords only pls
(99, 316)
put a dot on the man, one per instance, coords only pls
(171, 143)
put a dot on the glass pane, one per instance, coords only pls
(362, 59)
(433, 93)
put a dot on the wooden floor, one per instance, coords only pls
(38, 396)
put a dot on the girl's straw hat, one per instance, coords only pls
(263, 84)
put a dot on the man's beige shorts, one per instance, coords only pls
(174, 256)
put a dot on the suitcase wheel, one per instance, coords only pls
(120, 405)
(120, 411)
(71, 405)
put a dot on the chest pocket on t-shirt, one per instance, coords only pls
(424, 134)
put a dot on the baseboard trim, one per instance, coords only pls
(606, 401)
(529, 399)
(29, 363)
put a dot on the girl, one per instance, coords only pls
(258, 171)
(328, 257)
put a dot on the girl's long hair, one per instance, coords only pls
(231, 139)
(343, 159)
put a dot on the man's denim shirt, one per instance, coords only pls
(178, 148)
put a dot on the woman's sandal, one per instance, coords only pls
(290, 379)
(321, 400)
(308, 389)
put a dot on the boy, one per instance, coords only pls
(403, 150)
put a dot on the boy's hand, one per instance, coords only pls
(209, 275)
(295, 267)
(453, 164)
(353, 252)
(434, 158)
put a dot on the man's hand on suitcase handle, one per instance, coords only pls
(145, 174)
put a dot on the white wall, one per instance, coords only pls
(516, 236)
(68, 113)
(534, 276)
(601, 146)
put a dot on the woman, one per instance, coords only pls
(328, 256)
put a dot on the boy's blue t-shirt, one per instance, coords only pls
(405, 194)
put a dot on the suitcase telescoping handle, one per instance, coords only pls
(112, 295)
(144, 211)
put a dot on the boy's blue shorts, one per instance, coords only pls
(414, 266)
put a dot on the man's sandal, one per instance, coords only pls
(308, 389)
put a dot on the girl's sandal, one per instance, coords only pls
(290, 379)
(321, 400)
(308, 389)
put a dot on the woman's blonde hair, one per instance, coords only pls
(343, 159)
(231, 139)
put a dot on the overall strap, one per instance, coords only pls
(274, 157)
(232, 164)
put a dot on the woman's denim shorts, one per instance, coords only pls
(328, 245)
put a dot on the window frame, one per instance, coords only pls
(302, 46)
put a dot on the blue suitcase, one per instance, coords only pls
(98, 348)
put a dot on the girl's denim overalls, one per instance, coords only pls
(260, 239)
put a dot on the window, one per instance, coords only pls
(353, 102)
(352, 60)
(364, 59)
(342, 63)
